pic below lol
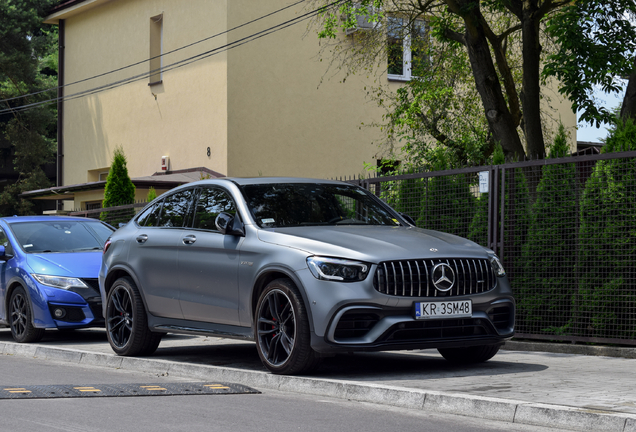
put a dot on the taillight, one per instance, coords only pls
(106, 245)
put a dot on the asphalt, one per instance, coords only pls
(552, 385)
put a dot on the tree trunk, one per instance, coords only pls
(487, 82)
(628, 109)
(531, 95)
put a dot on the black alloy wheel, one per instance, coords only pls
(20, 318)
(126, 321)
(282, 330)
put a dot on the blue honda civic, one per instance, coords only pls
(48, 274)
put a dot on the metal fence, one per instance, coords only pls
(564, 228)
(112, 215)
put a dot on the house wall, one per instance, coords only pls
(179, 118)
(284, 119)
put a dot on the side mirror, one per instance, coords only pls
(5, 253)
(408, 218)
(228, 224)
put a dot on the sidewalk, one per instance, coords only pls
(565, 391)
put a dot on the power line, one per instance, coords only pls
(21, 108)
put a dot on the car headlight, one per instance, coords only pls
(335, 269)
(59, 281)
(497, 266)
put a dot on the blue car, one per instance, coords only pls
(48, 274)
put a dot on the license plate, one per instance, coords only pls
(444, 309)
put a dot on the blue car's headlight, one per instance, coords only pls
(335, 269)
(59, 281)
(497, 266)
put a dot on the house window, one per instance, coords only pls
(156, 49)
(93, 205)
(406, 48)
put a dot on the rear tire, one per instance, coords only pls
(469, 355)
(21, 318)
(127, 321)
(281, 330)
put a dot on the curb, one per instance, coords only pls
(569, 348)
(512, 411)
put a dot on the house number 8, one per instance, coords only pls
(209, 152)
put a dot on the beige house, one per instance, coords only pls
(203, 88)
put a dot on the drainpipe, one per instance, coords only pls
(60, 110)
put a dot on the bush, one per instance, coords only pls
(119, 189)
(607, 282)
(548, 282)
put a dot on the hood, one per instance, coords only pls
(73, 264)
(373, 243)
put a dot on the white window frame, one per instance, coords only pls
(406, 55)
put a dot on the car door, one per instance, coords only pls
(154, 249)
(208, 262)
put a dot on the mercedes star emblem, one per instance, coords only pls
(443, 277)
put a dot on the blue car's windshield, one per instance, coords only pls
(301, 204)
(60, 236)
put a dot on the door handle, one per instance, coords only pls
(189, 239)
(141, 238)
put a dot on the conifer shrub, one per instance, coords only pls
(606, 305)
(119, 190)
(548, 284)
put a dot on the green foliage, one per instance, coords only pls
(607, 294)
(28, 64)
(546, 288)
(152, 194)
(119, 189)
(597, 41)
(447, 203)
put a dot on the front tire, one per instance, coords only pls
(469, 355)
(21, 318)
(127, 321)
(282, 330)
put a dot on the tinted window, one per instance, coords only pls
(59, 236)
(295, 204)
(210, 203)
(175, 209)
(150, 216)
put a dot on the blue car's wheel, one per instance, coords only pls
(21, 318)
(126, 321)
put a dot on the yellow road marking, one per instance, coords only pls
(87, 389)
(216, 386)
(17, 388)
(19, 391)
(155, 387)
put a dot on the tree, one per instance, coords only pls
(485, 29)
(607, 288)
(28, 65)
(119, 189)
(597, 43)
(548, 261)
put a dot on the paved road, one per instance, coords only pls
(594, 385)
(271, 410)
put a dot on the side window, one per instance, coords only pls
(175, 209)
(150, 216)
(211, 202)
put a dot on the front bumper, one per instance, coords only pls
(359, 318)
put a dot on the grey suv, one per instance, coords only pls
(305, 268)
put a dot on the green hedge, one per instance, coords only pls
(607, 291)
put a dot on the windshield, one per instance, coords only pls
(60, 236)
(301, 204)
